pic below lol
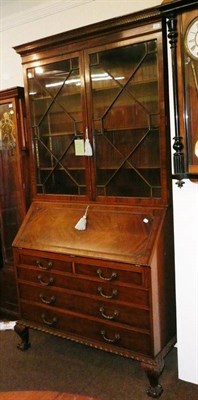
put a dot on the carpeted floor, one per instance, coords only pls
(54, 364)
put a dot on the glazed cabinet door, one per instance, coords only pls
(125, 91)
(56, 109)
(14, 189)
(12, 197)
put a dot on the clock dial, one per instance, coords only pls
(196, 148)
(191, 39)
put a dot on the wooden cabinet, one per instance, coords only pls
(13, 188)
(111, 285)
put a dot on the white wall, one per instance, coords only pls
(186, 249)
(185, 201)
(47, 17)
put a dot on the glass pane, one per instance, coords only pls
(56, 112)
(10, 210)
(126, 120)
(191, 103)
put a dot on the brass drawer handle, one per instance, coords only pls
(49, 323)
(46, 301)
(114, 340)
(48, 266)
(114, 293)
(50, 281)
(113, 316)
(113, 275)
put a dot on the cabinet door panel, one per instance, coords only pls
(125, 120)
(12, 206)
(57, 121)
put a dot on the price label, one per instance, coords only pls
(79, 147)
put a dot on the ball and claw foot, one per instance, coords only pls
(23, 346)
(153, 372)
(23, 333)
(155, 392)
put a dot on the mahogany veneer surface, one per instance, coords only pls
(42, 396)
(115, 234)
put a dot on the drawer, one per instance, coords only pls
(45, 263)
(102, 309)
(104, 291)
(129, 274)
(102, 333)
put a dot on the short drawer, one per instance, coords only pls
(133, 275)
(104, 291)
(102, 309)
(46, 264)
(101, 333)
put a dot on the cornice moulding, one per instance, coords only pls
(39, 12)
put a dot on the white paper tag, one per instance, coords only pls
(157, 25)
(5, 325)
(79, 147)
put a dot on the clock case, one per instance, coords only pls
(178, 16)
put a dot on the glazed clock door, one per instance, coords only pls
(125, 119)
(190, 65)
(56, 108)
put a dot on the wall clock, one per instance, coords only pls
(182, 25)
(190, 73)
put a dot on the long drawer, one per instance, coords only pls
(104, 290)
(103, 332)
(104, 309)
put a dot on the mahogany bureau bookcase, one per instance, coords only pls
(100, 160)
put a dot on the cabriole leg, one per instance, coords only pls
(23, 333)
(153, 373)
